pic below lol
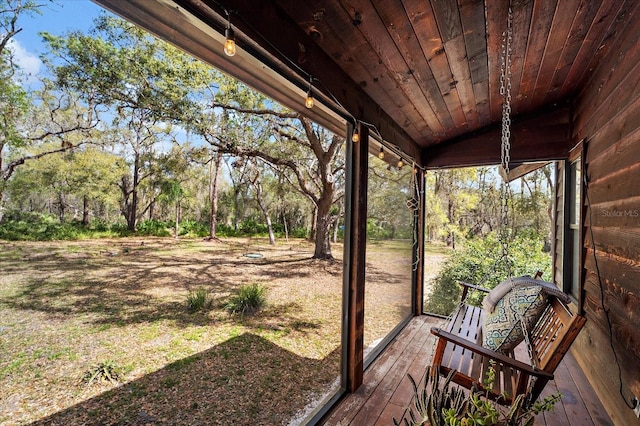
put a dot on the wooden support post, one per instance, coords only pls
(418, 255)
(354, 261)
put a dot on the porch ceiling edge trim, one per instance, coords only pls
(536, 137)
(172, 23)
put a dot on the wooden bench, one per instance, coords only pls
(459, 347)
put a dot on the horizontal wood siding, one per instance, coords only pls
(608, 120)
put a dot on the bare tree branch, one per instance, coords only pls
(6, 174)
(283, 114)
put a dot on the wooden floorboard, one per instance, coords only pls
(587, 394)
(349, 408)
(387, 391)
(559, 414)
(576, 410)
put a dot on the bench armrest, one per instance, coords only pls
(481, 350)
(466, 287)
(473, 286)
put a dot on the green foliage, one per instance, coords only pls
(299, 232)
(152, 227)
(248, 300)
(28, 226)
(104, 371)
(376, 231)
(436, 404)
(389, 190)
(192, 228)
(74, 177)
(252, 228)
(479, 262)
(198, 300)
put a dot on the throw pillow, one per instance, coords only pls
(501, 329)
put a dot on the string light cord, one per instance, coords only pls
(602, 301)
(372, 127)
(394, 149)
(308, 77)
(229, 12)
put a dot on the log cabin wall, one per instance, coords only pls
(607, 119)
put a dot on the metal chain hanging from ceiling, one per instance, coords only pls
(505, 146)
(505, 158)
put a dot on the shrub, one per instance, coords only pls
(299, 232)
(249, 299)
(479, 262)
(156, 228)
(29, 226)
(252, 227)
(198, 300)
(192, 228)
(105, 371)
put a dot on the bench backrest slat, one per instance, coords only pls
(553, 334)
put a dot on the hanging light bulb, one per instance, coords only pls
(309, 101)
(381, 153)
(400, 163)
(356, 136)
(230, 43)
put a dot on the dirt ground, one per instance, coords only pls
(67, 306)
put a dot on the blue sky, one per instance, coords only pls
(57, 18)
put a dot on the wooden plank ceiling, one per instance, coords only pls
(427, 73)
(434, 66)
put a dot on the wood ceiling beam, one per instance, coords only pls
(518, 170)
(536, 137)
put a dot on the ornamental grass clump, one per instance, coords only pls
(198, 300)
(248, 299)
(106, 371)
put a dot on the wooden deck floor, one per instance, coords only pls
(387, 390)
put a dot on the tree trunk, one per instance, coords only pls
(265, 212)
(152, 209)
(323, 226)
(213, 195)
(314, 224)
(61, 207)
(1, 207)
(286, 227)
(236, 207)
(85, 210)
(177, 228)
(133, 208)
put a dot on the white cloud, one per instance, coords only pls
(28, 62)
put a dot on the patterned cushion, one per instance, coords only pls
(501, 328)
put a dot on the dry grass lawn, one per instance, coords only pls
(67, 306)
